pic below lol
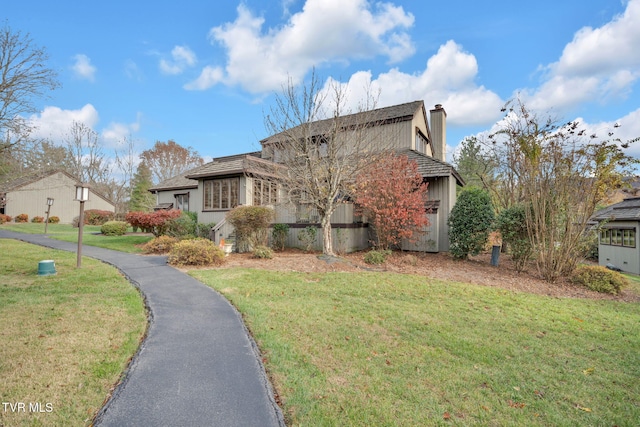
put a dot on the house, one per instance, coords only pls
(28, 195)
(213, 189)
(618, 228)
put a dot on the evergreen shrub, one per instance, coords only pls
(599, 279)
(114, 228)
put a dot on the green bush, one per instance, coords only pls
(262, 252)
(279, 236)
(159, 245)
(54, 219)
(308, 237)
(511, 223)
(376, 256)
(251, 224)
(22, 218)
(37, 219)
(469, 223)
(599, 279)
(114, 228)
(196, 252)
(182, 227)
(97, 216)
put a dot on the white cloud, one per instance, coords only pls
(181, 58)
(209, 77)
(448, 79)
(115, 133)
(53, 123)
(598, 63)
(324, 31)
(82, 68)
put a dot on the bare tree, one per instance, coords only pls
(88, 163)
(126, 162)
(24, 77)
(560, 174)
(320, 157)
(169, 159)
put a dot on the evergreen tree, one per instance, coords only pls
(141, 199)
(469, 222)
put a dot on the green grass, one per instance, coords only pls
(398, 350)
(65, 338)
(129, 243)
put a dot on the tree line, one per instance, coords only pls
(122, 175)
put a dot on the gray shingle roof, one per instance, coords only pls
(430, 167)
(626, 210)
(175, 183)
(227, 165)
(394, 113)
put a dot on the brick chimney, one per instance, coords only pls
(439, 132)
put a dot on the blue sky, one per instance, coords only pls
(203, 73)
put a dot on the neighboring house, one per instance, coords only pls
(28, 195)
(218, 186)
(618, 230)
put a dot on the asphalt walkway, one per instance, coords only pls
(197, 366)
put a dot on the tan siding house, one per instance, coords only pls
(29, 196)
(228, 181)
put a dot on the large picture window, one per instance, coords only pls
(221, 194)
(618, 237)
(264, 192)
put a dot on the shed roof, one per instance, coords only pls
(395, 113)
(626, 210)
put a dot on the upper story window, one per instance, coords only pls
(182, 201)
(221, 194)
(264, 192)
(421, 142)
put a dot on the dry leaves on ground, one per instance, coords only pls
(443, 266)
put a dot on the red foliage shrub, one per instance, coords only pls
(391, 192)
(22, 218)
(152, 222)
(97, 217)
(38, 219)
(54, 219)
(5, 218)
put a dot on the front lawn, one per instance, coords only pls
(388, 349)
(91, 236)
(65, 338)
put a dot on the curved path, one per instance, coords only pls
(197, 365)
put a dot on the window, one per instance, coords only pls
(182, 201)
(221, 194)
(264, 192)
(618, 237)
(421, 142)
